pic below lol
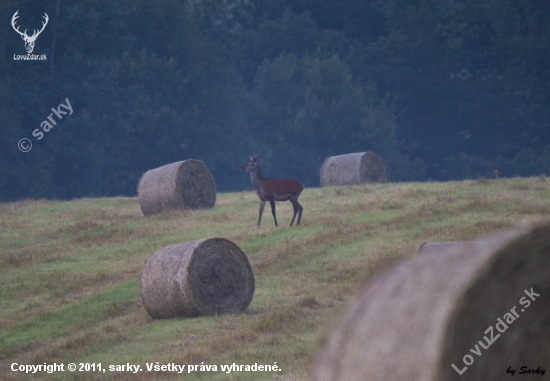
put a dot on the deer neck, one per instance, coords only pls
(256, 178)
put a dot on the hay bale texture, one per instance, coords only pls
(187, 184)
(203, 277)
(352, 169)
(433, 310)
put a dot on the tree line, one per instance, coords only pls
(439, 89)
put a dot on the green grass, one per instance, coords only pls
(69, 272)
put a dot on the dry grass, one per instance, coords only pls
(70, 271)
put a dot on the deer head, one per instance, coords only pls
(29, 40)
(249, 167)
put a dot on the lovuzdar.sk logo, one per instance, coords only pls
(29, 40)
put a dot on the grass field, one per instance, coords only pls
(70, 271)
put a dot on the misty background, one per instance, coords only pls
(439, 89)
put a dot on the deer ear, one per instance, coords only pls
(254, 158)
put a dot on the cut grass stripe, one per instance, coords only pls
(67, 318)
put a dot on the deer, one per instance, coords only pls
(29, 40)
(274, 190)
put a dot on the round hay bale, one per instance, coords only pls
(203, 277)
(432, 312)
(440, 246)
(187, 184)
(352, 169)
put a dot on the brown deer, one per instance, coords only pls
(274, 190)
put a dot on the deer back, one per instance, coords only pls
(282, 187)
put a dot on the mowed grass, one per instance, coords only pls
(70, 271)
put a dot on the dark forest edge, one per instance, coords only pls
(439, 89)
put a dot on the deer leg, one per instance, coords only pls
(299, 212)
(262, 205)
(295, 211)
(273, 211)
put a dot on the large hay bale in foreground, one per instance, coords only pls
(203, 277)
(352, 169)
(433, 310)
(187, 184)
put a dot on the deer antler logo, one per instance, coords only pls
(29, 40)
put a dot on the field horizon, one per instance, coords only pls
(70, 270)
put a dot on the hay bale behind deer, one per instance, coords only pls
(353, 169)
(471, 310)
(441, 246)
(187, 184)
